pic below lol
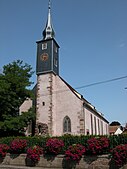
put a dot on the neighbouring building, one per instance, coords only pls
(115, 130)
(60, 109)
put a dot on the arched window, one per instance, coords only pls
(39, 129)
(66, 124)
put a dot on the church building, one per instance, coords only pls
(60, 109)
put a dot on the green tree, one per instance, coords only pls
(14, 89)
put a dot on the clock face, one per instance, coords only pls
(44, 57)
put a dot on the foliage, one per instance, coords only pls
(3, 150)
(15, 126)
(97, 145)
(119, 155)
(18, 146)
(73, 139)
(14, 83)
(31, 141)
(33, 153)
(13, 88)
(67, 139)
(75, 152)
(117, 140)
(53, 146)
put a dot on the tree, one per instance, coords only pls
(15, 126)
(14, 83)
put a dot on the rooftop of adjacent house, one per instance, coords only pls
(112, 129)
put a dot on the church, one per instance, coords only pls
(60, 109)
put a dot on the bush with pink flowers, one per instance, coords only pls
(3, 150)
(53, 146)
(75, 152)
(33, 153)
(119, 155)
(18, 146)
(98, 145)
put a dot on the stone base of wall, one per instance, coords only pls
(58, 162)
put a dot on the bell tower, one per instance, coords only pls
(48, 50)
(47, 70)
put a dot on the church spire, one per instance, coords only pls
(48, 32)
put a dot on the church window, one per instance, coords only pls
(56, 49)
(43, 103)
(66, 124)
(91, 124)
(98, 127)
(44, 46)
(55, 61)
(95, 125)
(102, 127)
(39, 128)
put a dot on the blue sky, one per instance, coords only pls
(92, 35)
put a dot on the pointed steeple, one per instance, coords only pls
(48, 32)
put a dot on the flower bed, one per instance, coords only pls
(74, 153)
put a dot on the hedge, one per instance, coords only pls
(68, 140)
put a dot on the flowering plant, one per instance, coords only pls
(75, 152)
(34, 153)
(97, 145)
(119, 155)
(3, 150)
(53, 146)
(18, 146)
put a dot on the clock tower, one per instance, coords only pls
(47, 70)
(48, 50)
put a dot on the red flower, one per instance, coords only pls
(3, 150)
(119, 155)
(75, 152)
(18, 146)
(97, 145)
(34, 153)
(53, 146)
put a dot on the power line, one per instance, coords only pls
(89, 85)
(102, 82)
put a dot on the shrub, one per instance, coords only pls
(53, 146)
(18, 146)
(119, 155)
(3, 150)
(75, 152)
(33, 153)
(97, 145)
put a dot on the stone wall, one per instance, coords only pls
(58, 162)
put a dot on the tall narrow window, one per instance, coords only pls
(66, 124)
(98, 127)
(39, 129)
(44, 46)
(95, 125)
(55, 61)
(91, 124)
(102, 127)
